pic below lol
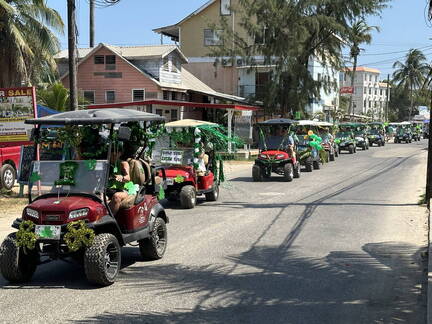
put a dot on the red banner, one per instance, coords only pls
(347, 90)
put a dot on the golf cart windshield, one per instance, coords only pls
(273, 142)
(374, 131)
(68, 177)
(343, 134)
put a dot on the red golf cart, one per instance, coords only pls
(68, 214)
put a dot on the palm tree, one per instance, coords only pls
(411, 74)
(27, 41)
(360, 33)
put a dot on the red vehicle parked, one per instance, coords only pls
(9, 162)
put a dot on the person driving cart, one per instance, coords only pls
(120, 176)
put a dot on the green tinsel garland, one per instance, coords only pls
(78, 236)
(26, 237)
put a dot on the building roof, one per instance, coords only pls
(173, 30)
(128, 52)
(363, 69)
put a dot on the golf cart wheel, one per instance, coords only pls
(396, 141)
(153, 248)
(308, 165)
(188, 197)
(7, 176)
(351, 149)
(337, 151)
(332, 157)
(383, 143)
(364, 147)
(288, 172)
(15, 264)
(316, 165)
(102, 260)
(213, 195)
(297, 171)
(257, 175)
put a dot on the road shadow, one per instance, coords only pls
(268, 284)
(69, 275)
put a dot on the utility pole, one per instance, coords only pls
(388, 98)
(429, 170)
(92, 18)
(73, 88)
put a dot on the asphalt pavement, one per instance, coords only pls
(343, 244)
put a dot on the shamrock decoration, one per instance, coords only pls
(25, 237)
(47, 232)
(161, 193)
(131, 188)
(78, 235)
(179, 179)
(67, 173)
(35, 176)
(90, 164)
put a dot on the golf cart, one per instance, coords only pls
(376, 134)
(69, 215)
(276, 153)
(187, 153)
(403, 133)
(416, 129)
(328, 141)
(360, 134)
(310, 151)
(345, 139)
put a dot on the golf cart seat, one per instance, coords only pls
(140, 174)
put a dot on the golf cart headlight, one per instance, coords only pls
(78, 213)
(280, 156)
(32, 213)
(263, 156)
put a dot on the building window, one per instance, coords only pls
(174, 116)
(173, 95)
(166, 95)
(370, 91)
(262, 37)
(365, 90)
(110, 96)
(225, 9)
(110, 59)
(159, 112)
(138, 94)
(99, 59)
(380, 92)
(365, 104)
(212, 37)
(370, 104)
(89, 96)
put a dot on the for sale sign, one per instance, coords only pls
(16, 105)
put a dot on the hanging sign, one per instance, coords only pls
(346, 90)
(16, 105)
(171, 157)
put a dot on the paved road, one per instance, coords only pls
(340, 245)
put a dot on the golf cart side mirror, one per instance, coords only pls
(124, 133)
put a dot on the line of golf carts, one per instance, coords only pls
(286, 145)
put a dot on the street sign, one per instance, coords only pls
(16, 105)
(347, 90)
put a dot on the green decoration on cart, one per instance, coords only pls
(67, 173)
(26, 237)
(78, 236)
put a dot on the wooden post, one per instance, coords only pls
(73, 89)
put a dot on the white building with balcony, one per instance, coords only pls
(370, 95)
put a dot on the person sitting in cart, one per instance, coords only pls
(120, 176)
(327, 136)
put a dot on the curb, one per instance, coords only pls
(429, 273)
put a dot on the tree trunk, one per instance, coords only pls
(412, 101)
(351, 105)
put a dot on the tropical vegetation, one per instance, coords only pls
(28, 41)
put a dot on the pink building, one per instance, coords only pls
(113, 74)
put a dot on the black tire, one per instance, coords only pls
(7, 176)
(396, 141)
(172, 197)
(16, 265)
(332, 157)
(154, 247)
(188, 197)
(364, 147)
(316, 165)
(213, 195)
(257, 174)
(351, 149)
(308, 165)
(102, 260)
(297, 171)
(337, 151)
(288, 172)
(383, 143)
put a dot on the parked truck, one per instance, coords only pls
(9, 162)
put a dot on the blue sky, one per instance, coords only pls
(130, 22)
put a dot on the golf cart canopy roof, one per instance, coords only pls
(189, 123)
(405, 123)
(308, 123)
(277, 121)
(376, 123)
(95, 116)
(325, 124)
